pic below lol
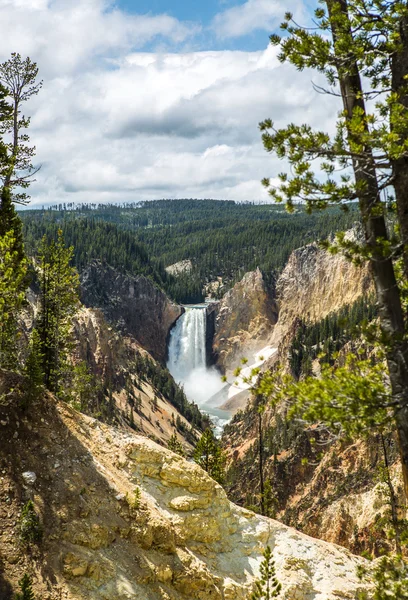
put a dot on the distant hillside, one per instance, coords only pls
(222, 239)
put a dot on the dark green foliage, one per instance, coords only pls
(223, 239)
(26, 588)
(10, 221)
(390, 578)
(209, 455)
(328, 336)
(59, 285)
(85, 388)
(91, 239)
(175, 446)
(13, 270)
(33, 384)
(31, 531)
(267, 587)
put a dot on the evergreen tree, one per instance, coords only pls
(84, 388)
(13, 272)
(33, 372)
(26, 588)
(267, 587)
(175, 446)
(208, 454)
(344, 45)
(18, 77)
(59, 285)
(31, 531)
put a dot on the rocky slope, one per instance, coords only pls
(139, 399)
(333, 491)
(125, 519)
(123, 382)
(315, 283)
(133, 304)
(246, 317)
(318, 495)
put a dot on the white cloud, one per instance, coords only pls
(64, 35)
(116, 124)
(253, 15)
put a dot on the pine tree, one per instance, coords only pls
(268, 586)
(26, 589)
(352, 43)
(31, 531)
(208, 454)
(33, 372)
(59, 285)
(18, 78)
(13, 272)
(175, 446)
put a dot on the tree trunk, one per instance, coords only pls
(399, 84)
(261, 477)
(375, 230)
(393, 499)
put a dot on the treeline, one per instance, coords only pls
(222, 239)
(93, 239)
(325, 338)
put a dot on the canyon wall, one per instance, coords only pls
(315, 283)
(134, 305)
(246, 317)
(316, 487)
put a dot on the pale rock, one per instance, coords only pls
(29, 477)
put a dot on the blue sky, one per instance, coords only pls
(202, 12)
(185, 10)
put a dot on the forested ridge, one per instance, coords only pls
(222, 239)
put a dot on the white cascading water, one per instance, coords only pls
(188, 362)
(187, 344)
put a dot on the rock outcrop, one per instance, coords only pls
(246, 317)
(315, 283)
(134, 305)
(184, 266)
(125, 519)
(123, 388)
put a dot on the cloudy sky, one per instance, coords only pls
(148, 99)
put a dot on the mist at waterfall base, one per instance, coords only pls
(188, 363)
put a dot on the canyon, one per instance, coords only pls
(126, 518)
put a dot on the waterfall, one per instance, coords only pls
(187, 348)
(188, 362)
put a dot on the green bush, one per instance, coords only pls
(31, 531)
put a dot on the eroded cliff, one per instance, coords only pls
(246, 317)
(134, 305)
(313, 486)
(315, 283)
